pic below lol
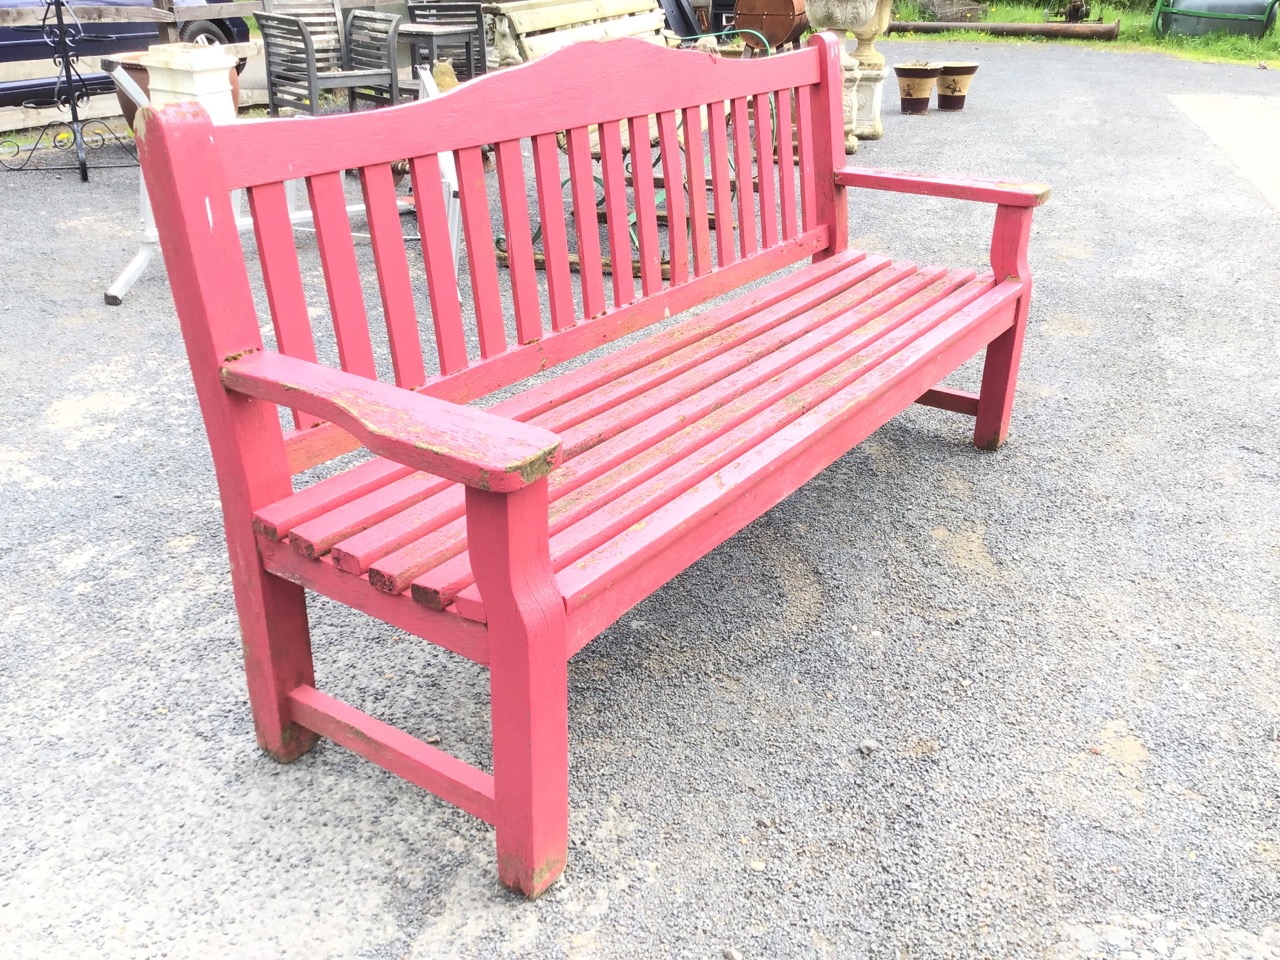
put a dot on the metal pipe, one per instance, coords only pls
(1059, 31)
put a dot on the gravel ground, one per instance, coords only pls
(937, 704)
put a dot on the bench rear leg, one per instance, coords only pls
(1000, 369)
(277, 654)
(528, 683)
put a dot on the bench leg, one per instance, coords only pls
(527, 682)
(999, 376)
(277, 656)
(1000, 370)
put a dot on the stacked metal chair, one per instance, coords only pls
(310, 49)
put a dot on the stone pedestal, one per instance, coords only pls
(852, 99)
(867, 125)
(180, 72)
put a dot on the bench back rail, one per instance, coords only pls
(792, 213)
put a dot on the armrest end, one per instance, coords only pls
(460, 443)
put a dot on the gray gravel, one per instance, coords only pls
(1064, 653)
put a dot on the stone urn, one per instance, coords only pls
(863, 79)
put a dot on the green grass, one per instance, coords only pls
(1135, 34)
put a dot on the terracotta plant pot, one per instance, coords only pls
(138, 74)
(915, 84)
(953, 84)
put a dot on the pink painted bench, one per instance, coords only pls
(514, 534)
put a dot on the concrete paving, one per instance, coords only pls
(1065, 653)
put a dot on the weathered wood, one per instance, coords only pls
(197, 230)
(828, 142)
(721, 184)
(437, 252)
(583, 185)
(1000, 369)
(512, 535)
(669, 147)
(784, 133)
(555, 238)
(515, 213)
(1007, 192)
(458, 443)
(764, 169)
(744, 177)
(528, 684)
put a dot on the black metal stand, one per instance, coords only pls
(70, 94)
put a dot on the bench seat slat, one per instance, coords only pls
(386, 546)
(279, 518)
(731, 424)
(276, 519)
(603, 585)
(646, 420)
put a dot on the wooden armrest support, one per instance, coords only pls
(459, 443)
(1010, 194)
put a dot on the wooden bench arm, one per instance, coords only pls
(471, 446)
(1009, 194)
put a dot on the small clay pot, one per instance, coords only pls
(915, 85)
(953, 84)
(138, 74)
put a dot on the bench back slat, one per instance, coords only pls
(392, 264)
(744, 177)
(582, 184)
(804, 147)
(673, 177)
(437, 255)
(786, 164)
(721, 182)
(341, 273)
(476, 227)
(555, 236)
(696, 177)
(692, 108)
(515, 213)
(613, 172)
(281, 275)
(646, 209)
(766, 132)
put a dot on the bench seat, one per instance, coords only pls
(658, 435)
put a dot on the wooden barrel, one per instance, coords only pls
(778, 21)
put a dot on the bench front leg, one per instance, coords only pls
(1000, 369)
(528, 682)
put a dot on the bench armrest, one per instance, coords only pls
(452, 441)
(1010, 194)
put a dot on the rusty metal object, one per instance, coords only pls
(778, 21)
(1058, 31)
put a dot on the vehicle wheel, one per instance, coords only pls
(205, 32)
